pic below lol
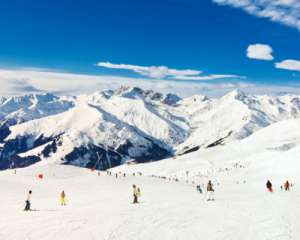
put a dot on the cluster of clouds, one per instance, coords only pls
(286, 12)
(265, 52)
(151, 71)
(24, 81)
(164, 72)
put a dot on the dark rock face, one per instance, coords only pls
(4, 132)
(135, 92)
(171, 99)
(219, 141)
(51, 147)
(101, 157)
(20, 162)
(91, 156)
(9, 157)
(190, 150)
(151, 154)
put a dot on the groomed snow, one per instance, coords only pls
(99, 207)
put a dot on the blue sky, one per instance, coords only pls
(208, 36)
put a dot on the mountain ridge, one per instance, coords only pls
(108, 128)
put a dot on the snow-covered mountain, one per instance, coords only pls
(107, 128)
(234, 117)
(19, 109)
(101, 130)
(272, 151)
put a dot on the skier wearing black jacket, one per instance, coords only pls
(269, 186)
(28, 204)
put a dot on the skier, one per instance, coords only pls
(62, 198)
(269, 186)
(28, 204)
(287, 186)
(139, 193)
(135, 194)
(199, 188)
(210, 191)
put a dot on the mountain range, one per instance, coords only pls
(109, 128)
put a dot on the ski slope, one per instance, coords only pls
(99, 207)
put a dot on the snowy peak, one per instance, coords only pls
(236, 94)
(194, 100)
(129, 92)
(171, 99)
(32, 106)
(147, 95)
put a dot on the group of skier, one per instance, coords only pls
(286, 186)
(28, 200)
(209, 189)
(136, 195)
(137, 192)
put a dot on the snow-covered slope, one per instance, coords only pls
(236, 116)
(107, 128)
(273, 152)
(99, 207)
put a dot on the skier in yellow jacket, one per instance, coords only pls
(135, 194)
(62, 198)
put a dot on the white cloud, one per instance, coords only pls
(293, 65)
(286, 12)
(210, 77)
(22, 81)
(161, 72)
(151, 71)
(260, 51)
